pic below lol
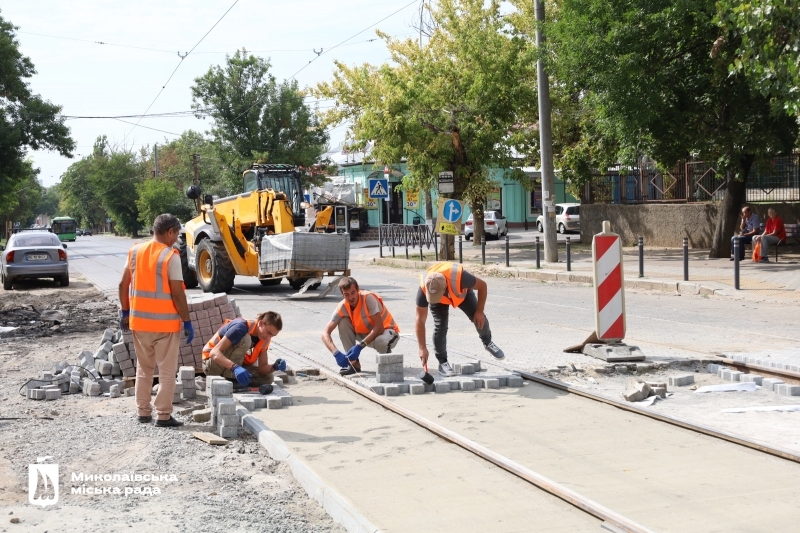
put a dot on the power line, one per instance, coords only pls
(148, 127)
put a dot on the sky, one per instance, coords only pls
(101, 80)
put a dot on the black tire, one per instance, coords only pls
(64, 280)
(468, 236)
(315, 286)
(6, 283)
(540, 227)
(270, 282)
(562, 229)
(214, 270)
(297, 283)
(189, 276)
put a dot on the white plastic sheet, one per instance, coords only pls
(763, 408)
(728, 387)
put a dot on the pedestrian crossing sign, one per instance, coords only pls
(379, 188)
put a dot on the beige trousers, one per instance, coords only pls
(383, 343)
(236, 354)
(156, 349)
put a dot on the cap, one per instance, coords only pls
(435, 285)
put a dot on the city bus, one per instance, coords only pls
(65, 228)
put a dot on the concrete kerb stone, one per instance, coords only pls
(341, 510)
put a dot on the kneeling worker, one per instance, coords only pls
(239, 344)
(445, 284)
(363, 320)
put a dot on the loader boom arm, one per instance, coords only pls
(240, 250)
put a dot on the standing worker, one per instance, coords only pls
(445, 284)
(363, 320)
(153, 304)
(239, 344)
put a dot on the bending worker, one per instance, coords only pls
(239, 344)
(363, 320)
(153, 304)
(443, 285)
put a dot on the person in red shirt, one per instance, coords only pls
(774, 232)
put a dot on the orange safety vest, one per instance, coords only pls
(362, 322)
(251, 356)
(152, 308)
(452, 273)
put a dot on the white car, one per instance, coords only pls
(567, 218)
(494, 225)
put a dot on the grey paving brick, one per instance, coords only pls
(391, 368)
(517, 381)
(441, 386)
(491, 383)
(388, 358)
(222, 387)
(783, 389)
(377, 389)
(680, 381)
(37, 394)
(417, 388)
(248, 404)
(228, 432)
(228, 420)
(201, 415)
(467, 385)
(735, 375)
(226, 406)
(752, 378)
(390, 378)
(391, 390)
(770, 383)
(274, 403)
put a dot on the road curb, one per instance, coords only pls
(668, 286)
(339, 508)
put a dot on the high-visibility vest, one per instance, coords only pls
(152, 308)
(251, 356)
(362, 322)
(452, 273)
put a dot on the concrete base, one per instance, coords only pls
(614, 353)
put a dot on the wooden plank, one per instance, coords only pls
(210, 438)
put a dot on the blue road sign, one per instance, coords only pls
(452, 210)
(379, 188)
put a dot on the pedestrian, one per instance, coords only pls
(239, 344)
(774, 233)
(447, 284)
(750, 227)
(363, 320)
(153, 304)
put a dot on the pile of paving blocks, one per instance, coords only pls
(207, 313)
(640, 390)
(185, 387)
(222, 404)
(391, 381)
(773, 384)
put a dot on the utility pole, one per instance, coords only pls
(545, 144)
(197, 200)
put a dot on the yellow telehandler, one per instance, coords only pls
(256, 234)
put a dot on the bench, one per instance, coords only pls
(792, 232)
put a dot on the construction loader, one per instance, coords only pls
(260, 233)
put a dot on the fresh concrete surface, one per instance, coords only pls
(403, 478)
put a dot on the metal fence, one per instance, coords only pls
(397, 235)
(775, 180)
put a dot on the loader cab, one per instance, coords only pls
(279, 178)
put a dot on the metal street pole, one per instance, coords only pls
(546, 144)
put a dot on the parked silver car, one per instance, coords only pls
(31, 255)
(567, 218)
(494, 225)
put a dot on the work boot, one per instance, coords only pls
(145, 419)
(446, 370)
(495, 350)
(168, 423)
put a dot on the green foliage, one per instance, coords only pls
(27, 197)
(27, 121)
(256, 119)
(114, 176)
(51, 197)
(766, 34)
(78, 197)
(157, 196)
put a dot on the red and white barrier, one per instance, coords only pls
(609, 291)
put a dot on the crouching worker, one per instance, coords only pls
(238, 351)
(363, 320)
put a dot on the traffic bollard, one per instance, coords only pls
(641, 257)
(393, 236)
(436, 244)
(685, 259)
(538, 263)
(569, 256)
(483, 249)
(380, 240)
(736, 245)
(460, 257)
(421, 256)
(508, 261)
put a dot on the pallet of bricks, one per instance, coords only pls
(207, 312)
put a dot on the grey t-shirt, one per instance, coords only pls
(373, 307)
(467, 282)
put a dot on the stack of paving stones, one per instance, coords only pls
(207, 313)
(772, 384)
(390, 381)
(185, 387)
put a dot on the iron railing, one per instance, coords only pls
(406, 234)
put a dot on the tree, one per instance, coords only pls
(48, 205)
(27, 197)
(157, 196)
(257, 119)
(458, 103)
(27, 121)
(113, 175)
(78, 196)
(644, 77)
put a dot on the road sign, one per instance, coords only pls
(449, 216)
(412, 200)
(369, 203)
(108, 220)
(379, 188)
(609, 286)
(446, 183)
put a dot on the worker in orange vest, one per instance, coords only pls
(153, 304)
(363, 320)
(447, 284)
(239, 344)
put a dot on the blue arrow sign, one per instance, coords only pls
(452, 210)
(379, 188)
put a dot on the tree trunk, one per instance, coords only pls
(429, 209)
(728, 215)
(477, 223)
(446, 247)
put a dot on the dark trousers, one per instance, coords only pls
(441, 317)
(742, 242)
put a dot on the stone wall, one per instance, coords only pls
(667, 224)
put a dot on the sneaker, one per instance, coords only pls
(446, 370)
(145, 419)
(350, 370)
(764, 260)
(495, 350)
(168, 423)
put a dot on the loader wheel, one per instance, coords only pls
(189, 276)
(271, 282)
(213, 267)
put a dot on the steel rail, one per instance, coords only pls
(776, 372)
(581, 502)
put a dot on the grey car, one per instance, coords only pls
(31, 255)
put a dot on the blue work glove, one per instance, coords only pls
(341, 359)
(279, 365)
(124, 317)
(242, 375)
(354, 352)
(188, 331)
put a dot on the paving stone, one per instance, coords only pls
(186, 373)
(74, 387)
(751, 378)
(491, 383)
(681, 381)
(37, 394)
(377, 389)
(404, 387)
(391, 390)
(248, 404)
(515, 381)
(783, 389)
(390, 378)
(113, 391)
(441, 386)
(454, 384)
(274, 403)
(736, 375)
(659, 391)
(770, 383)
(417, 388)
(226, 406)
(201, 415)
(52, 394)
(467, 385)
(222, 387)
(388, 358)
(478, 383)
(391, 368)
(228, 432)
(260, 402)
(228, 420)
